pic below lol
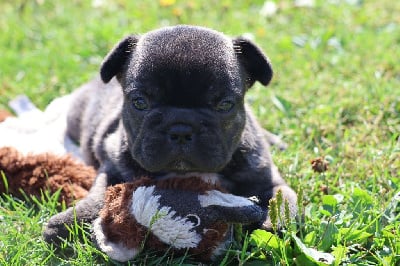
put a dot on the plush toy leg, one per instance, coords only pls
(116, 251)
(85, 211)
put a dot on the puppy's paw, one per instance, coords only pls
(56, 229)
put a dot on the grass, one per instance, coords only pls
(335, 95)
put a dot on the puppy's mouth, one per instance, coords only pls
(181, 166)
(211, 178)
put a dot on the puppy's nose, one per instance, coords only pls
(180, 133)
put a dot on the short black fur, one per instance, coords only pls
(182, 75)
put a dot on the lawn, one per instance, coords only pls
(335, 96)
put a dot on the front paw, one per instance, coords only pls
(55, 230)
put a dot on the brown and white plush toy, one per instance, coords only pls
(185, 214)
(37, 155)
(32, 174)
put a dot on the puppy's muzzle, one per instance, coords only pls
(180, 133)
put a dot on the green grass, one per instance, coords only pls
(335, 95)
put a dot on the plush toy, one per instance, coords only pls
(37, 155)
(4, 114)
(35, 132)
(33, 173)
(185, 214)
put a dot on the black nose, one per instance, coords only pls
(180, 133)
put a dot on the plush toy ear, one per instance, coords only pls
(254, 62)
(243, 215)
(231, 208)
(117, 57)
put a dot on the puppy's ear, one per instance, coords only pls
(117, 57)
(255, 63)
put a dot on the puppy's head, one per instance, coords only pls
(183, 90)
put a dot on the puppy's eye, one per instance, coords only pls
(225, 106)
(140, 103)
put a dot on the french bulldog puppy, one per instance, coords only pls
(171, 102)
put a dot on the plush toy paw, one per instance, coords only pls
(185, 214)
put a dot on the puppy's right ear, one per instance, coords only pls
(117, 58)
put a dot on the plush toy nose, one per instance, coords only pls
(180, 133)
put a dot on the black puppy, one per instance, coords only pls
(176, 107)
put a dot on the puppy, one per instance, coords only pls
(171, 102)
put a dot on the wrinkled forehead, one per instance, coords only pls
(183, 49)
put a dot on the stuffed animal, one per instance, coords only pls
(35, 132)
(4, 114)
(37, 155)
(185, 214)
(33, 173)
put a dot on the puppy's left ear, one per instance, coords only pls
(255, 63)
(116, 59)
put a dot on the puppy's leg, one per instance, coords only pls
(275, 140)
(85, 211)
(253, 173)
(81, 98)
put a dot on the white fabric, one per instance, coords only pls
(215, 197)
(34, 131)
(115, 251)
(162, 221)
